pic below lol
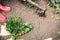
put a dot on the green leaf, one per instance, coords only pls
(30, 26)
(56, 4)
(23, 32)
(27, 30)
(14, 25)
(29, 5)
(20, 0)
(26, 24)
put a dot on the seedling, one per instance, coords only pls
(26, 3)
(16, 27)
(55, 4)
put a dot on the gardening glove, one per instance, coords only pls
(2, 18)
(0, 1)
(4, 8)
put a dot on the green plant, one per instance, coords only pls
(27, 4)
(15, 26)
(55, 3)
(20, 0)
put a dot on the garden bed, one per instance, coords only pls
(43, 27)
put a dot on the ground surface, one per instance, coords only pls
(43, 27)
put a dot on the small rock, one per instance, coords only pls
(48, 39)
(57, 18)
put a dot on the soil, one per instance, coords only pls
(43, 27)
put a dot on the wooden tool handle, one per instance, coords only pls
(35, 4)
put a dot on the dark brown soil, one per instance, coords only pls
(43, 27)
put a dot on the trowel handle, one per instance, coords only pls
(35, 4)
